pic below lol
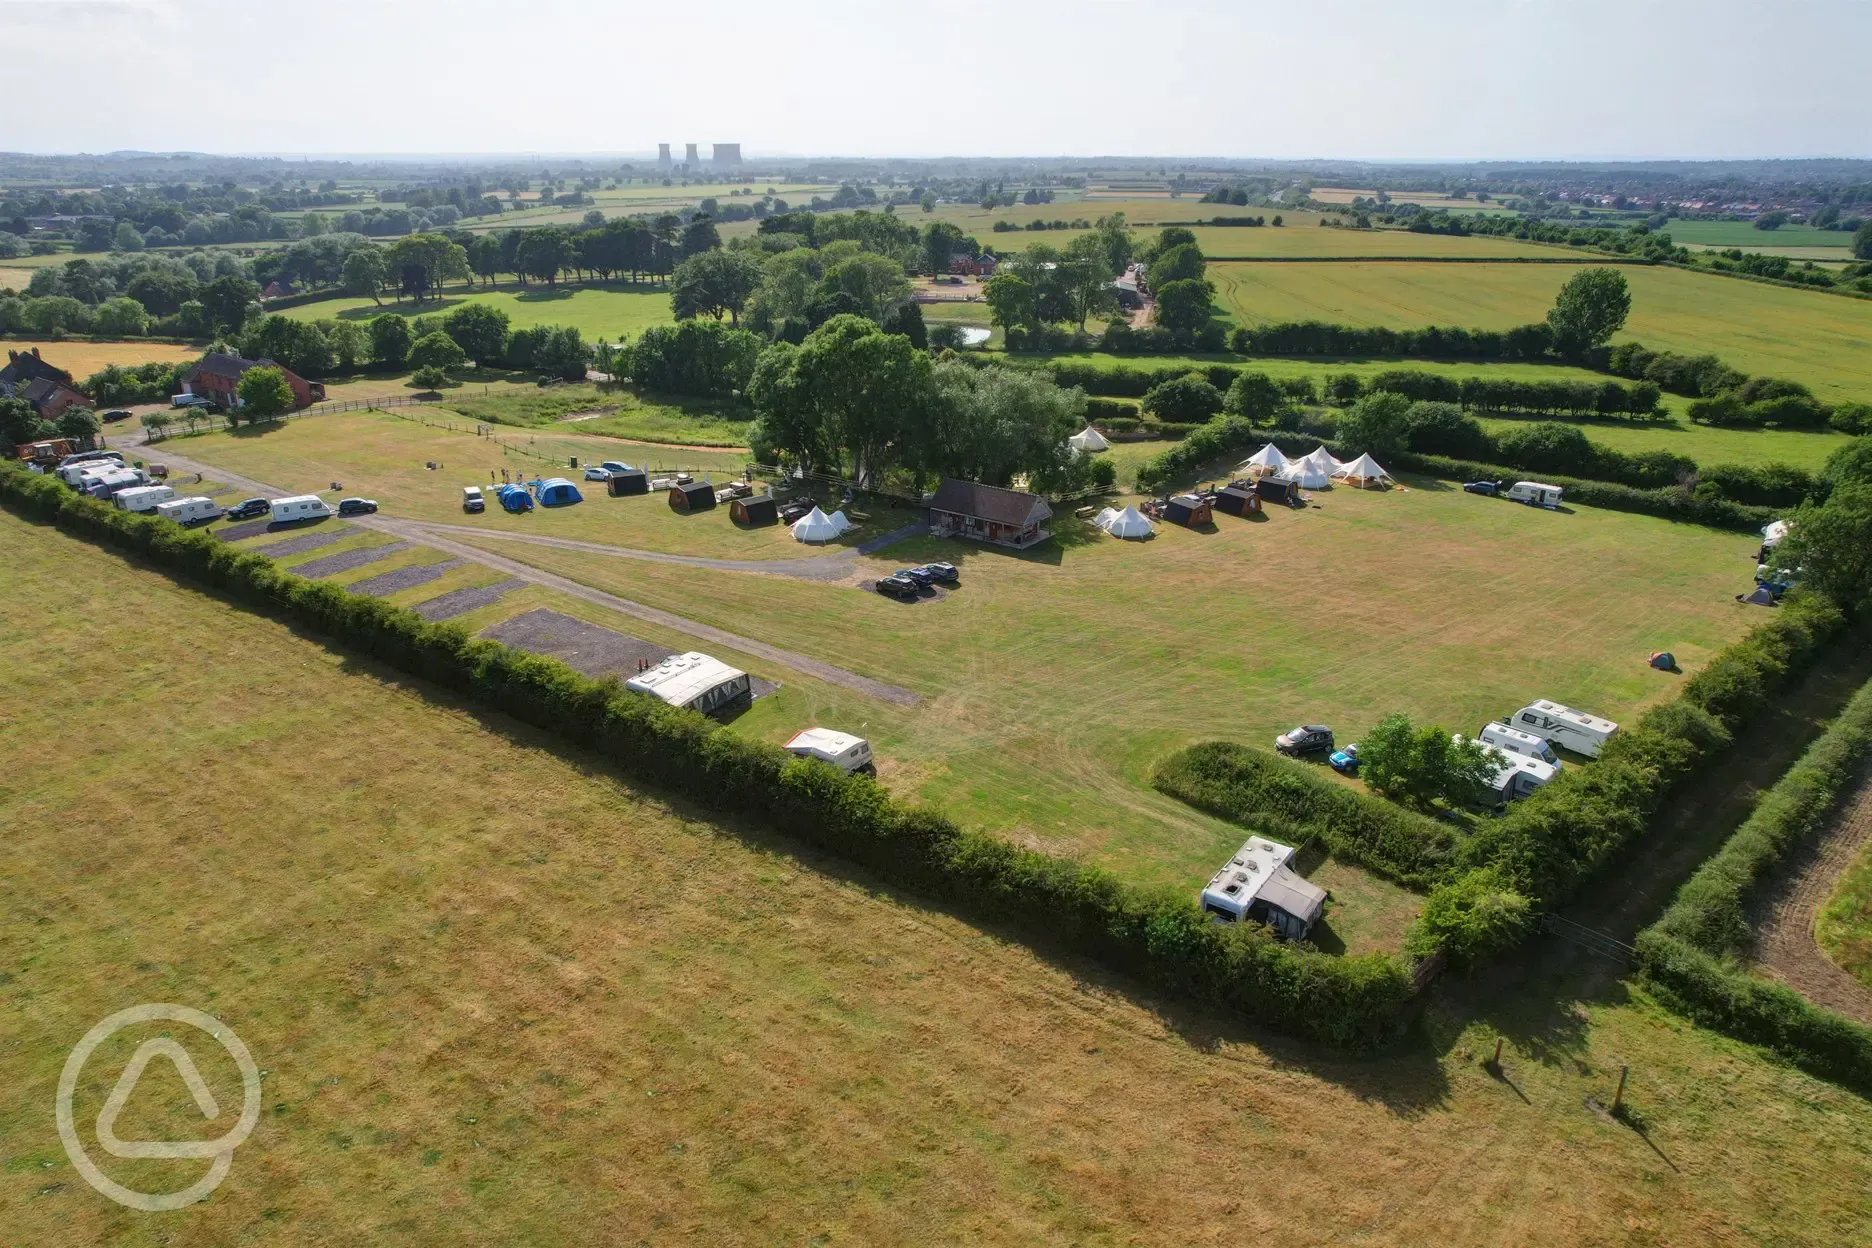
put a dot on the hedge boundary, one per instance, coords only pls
(1156, 934)
(1693, 956)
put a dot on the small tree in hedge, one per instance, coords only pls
(264, 392)
(1377, 424)
(1256, 397)
(1188, 399)
(436, 350)
(430, 377)
(1472, 916)
(1416, 765)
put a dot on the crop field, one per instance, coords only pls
(1705, 445)
(612, 313)
(499, 996)
(1820, 339)
(81, 359)
(1743, 234)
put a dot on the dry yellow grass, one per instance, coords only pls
(500, 997)
(81, 359)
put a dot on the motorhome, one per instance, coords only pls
(1516, 777)
(1534, 493)
(1257, 886)
(694, 681)
(1515, 741)
(144, 498)
(1565, 727)
(841, 749)
(189, 511)
(299, 507)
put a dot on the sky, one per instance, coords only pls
(1352, 79)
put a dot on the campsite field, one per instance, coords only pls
(610, 312)
(1822, 340)
(499, 996)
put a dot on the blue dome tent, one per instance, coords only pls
(559, 492)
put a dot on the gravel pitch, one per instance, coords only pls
(586, 647)
(344, 561)
(462, 601)
(401, 579)
(244, 530)
(304, 542)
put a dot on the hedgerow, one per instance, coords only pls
(1159, 935)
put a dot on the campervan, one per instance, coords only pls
(89, 457)
(1564, 726)
(142, 497)
(1516, 777)
(694, 681)
(1514, 741)
(841, 749)
(1257, 885)
(1534, 494)
(187, 511)
(72, 470)
(300, 507)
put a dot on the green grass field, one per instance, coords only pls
(500, 997)
(1705, 445)
(1743, 234)
(612, 313)
(1822, 340)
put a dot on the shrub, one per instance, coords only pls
(1188, 399)
(430, 377)
(436, 350)
(1479, 913)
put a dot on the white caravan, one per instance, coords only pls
(841, 749)
(1534, 493)
(694, 681)
(299, 507)
(1564, 726)
(1515, 741)
(142, 497)
(1516, 777)
(186, 511)
(110, 481)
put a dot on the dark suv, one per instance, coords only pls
(900, 587)
(1306, 739)
(357, 506)
(944, 572)
(249, 509)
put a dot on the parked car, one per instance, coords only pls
(356, 506)
(899, 587)
(1345, 761)
(797, 510)
(1481, 487)
(249, 509)
(944, 572)
(921, 576)
(191, 400)
(597, 472)
(612, 465)
(472, 501)
(1306, 739)
(115, 414)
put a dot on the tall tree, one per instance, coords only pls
(390, 339)
(941, 241)
(1085, 278)
(1590, 308)
(713, 282)
(699, 236)
(264, 392)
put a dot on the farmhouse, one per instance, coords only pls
(50, 399)
(218, 376)
(973, 266)
(988, 513)
(24, 366)
(695, 496)
(1257, 886)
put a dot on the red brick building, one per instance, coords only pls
(218, 377)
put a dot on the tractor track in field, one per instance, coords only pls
(1785, 947)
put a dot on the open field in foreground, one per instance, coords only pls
(1822, 340)
(612, 313)
(500, 997)
(81, 359)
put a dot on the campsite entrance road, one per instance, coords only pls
(436, 536)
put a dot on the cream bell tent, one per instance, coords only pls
(1088, 439)
(1128, 523)
(1362, 472)
(839, 518)
(1265, 462)
(1306, 474)
(815, 526)
(1104, 517)
(1322, 459)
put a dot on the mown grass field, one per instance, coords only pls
(1822, 340)
(81, 359)
(612, 313)
(499, 996)
(1743, 234)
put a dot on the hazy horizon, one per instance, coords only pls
(1524, 81)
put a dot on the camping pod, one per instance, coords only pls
(691, 496)
(1188, 510)
(760, 509)
(1238, 500)
(1277, 490)
(630, 481)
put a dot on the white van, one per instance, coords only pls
(1514, 741)
(1564, 726)
(299, 507)
(186, 511)
(841, 749)
(144, 498)
(1534, 494)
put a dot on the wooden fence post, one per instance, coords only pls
(1618, 1098)
(1497, 1062)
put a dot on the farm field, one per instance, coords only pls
(14, 278)
(81, 359)
(1743, 234)
(612, 313)
(1822, 340)
(575, 1033)
(1705, 445)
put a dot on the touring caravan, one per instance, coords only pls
(300, 507)
(73, 467)
(694, 681)
(187, 511)
(109, 480)
(1516, 777)
(1515, 741)
(841, 749)
(1257, 885)
(1564, 726)
(142, 497)
(1534, 493)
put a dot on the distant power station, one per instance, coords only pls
(725, 156)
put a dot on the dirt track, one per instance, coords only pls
(1785, 947)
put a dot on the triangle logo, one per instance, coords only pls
(205, 1101)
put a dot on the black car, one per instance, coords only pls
(249, 509)
(944, 572)
(115, 414)
(1306, 739)
(1481, 487)
(922, 576)
(796, 511)
(357, 506)
(899, 587)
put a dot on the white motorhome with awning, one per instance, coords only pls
(694, 681)
(1564, 726)
(1257, 886)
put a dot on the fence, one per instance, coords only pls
(1590, 939)
(543, 450)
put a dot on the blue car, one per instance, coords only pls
(1345, 761)
(922, 576)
